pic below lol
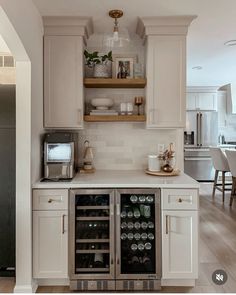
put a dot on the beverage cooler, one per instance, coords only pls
(115, 239)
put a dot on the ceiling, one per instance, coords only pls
(215, 25)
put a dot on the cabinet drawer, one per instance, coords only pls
(182, 199)
(50, 199)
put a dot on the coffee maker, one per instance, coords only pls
(60, 155)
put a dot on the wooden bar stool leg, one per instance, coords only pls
(232, 192)
(223, 186)
(215, 183)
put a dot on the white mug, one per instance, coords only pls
(153, 163)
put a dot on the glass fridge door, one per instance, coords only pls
(138, 234)
(93, 234)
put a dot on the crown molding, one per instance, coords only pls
(164, 25)
(68, 25)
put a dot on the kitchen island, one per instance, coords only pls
(60, 218)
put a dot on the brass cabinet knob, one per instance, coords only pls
(180, 200)
(50, 200)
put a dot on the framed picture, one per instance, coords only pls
(123, 66)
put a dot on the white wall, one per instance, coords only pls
(22, 29)
(227, 122)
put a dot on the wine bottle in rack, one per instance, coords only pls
(147, 262)
(150, 236)
(123, 225)
(148, 246)
(150, 225)
(130, 225)
(100, 200)
(136, 212)
(137, 236)
(123, 236)
(137, 225)
(98, 260)
(149, 199)
(144, 236)
(141, 199)
(141, 246)
(134, 199)
(134, 247)
(130, 236)
(144, 225)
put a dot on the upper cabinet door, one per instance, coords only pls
(166, 81)
(207, 101)
(191, 100)
(63, 82)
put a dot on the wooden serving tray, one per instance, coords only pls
(175, 172)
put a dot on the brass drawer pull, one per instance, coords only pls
(167, 229)
(63, 223)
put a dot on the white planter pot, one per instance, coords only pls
(102, 71)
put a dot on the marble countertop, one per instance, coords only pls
(121, 179)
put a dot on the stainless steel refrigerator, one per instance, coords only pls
(200, 133)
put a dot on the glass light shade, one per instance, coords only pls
(117, 39)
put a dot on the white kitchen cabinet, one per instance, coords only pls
(165, 90)
(201, 98)
(165, 39)
(63, 82)
(179, 244)
(64, 40)
(50, 244)
(50, 233)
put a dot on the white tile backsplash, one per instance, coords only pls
(123, 145)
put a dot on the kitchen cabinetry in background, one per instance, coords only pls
(201, 98)
(63, 71)
(50, 234)
(165, 69)
(179, 234)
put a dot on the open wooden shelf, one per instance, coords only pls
(119, 118)
(114, 83)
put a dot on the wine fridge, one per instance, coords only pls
(115, 239)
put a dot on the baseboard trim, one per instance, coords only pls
(26, 288)
(178, 283)
(53, 282)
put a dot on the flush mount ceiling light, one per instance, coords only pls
(197, 68)
(230, 43)
(120, 36)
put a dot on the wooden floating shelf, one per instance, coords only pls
(114, 83)
(120, 118)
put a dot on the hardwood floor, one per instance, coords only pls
(217, 248)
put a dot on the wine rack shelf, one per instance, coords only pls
(92, 218)
(92, 207)
(92, 241)
(92, 251)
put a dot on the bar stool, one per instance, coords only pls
(231, 156)
(220, 164)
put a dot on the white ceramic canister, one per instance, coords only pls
(153, 163)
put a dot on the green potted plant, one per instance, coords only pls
(90, 60)
(100, 65)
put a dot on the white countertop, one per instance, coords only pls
(225, 146)
(122, 179)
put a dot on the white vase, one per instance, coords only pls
(102, 71)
